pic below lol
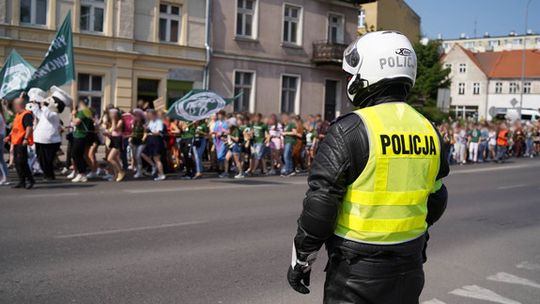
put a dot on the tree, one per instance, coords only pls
(430, 78)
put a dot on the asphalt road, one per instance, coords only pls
(226, 241)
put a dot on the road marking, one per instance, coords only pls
(512, 186)
(512, 279)
(502, 167)
(480, 293)
(528, 266)
(433, 301)
(134, 229)
(211, 187)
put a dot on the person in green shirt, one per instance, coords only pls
(260, 136)
(291, 135)
(83, 123)
(201, 139)
(235, 150)
(187, 148)
(474, 140)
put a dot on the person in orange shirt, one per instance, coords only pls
(502, 143)
(20, 137)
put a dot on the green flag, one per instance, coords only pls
(58, 67)
(198, 105)
(15, 75)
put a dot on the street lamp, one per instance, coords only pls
(524, 57)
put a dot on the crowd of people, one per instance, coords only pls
(471, 142)
(146, 143)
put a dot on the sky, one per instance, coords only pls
(453, 17)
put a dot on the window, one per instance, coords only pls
(91, 88)
(362, 19)
(476, 88)
(498, 87)
(92, 12)
(461, 88)
(291, 24)
(169, 22)
(494, 43)
(517, 42)
(335, 28)
(514, 87)
(147, 89)
(526, 88)
(34, 12)
(462, 67)
(289, 93)
(243, 83)
(469, 44)
(245, 18)
(448, 66)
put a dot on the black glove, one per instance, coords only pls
(300, 270)
(299, 278)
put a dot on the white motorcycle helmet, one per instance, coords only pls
(376, 61)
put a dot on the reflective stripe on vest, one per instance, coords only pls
(387, 204)
(19, 131)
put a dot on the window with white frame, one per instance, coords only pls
(92, 15)
(292, 18)
(498, 88)
(170, 17)
(448, 66)
(289, 93)
(514, 87)
(461, 88)
(243, 83)
(91, 87)
(33, 12)
(462, 67)
(246, 18)
(526, 88)
(361, 18)
(336, 28)
(494, 43)
(476, 88)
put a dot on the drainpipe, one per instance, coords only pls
(206, 73)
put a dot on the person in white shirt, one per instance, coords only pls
(47, 135)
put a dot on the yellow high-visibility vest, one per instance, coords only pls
(387, 204)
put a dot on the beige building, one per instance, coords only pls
(124, 50)
(488, 43)
(389, 15)
(284, 56)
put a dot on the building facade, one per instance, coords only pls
(389, 15)
(283, 56)
(494, 44)
(485, 81)
(124, 50)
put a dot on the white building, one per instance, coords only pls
(488, 43)
(483, 80)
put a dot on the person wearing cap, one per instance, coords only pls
(47, 135)
(21, 137)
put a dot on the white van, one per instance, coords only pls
(512, 114)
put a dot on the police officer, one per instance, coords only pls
(375, 185)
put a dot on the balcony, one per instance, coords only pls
(325, 52)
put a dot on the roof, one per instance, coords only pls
(506, 64)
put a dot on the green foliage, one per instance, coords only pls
(431, 75)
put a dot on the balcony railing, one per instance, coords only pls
(328, 52)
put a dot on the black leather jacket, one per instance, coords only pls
(341, 158)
